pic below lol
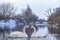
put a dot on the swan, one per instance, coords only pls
(21, 34)
(38, 33)
(17, 34)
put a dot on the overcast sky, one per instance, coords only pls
(38, 6)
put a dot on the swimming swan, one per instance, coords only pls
(21, 34)
(38, 33)
(18, 34)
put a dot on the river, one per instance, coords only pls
(40, 30)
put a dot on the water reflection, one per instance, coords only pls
(40, 30)
(57, 38)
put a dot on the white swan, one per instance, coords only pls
(18, 34)
(38, 33)
(23, 34)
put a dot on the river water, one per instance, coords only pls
(40, 30)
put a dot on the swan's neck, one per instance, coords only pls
(29, 27)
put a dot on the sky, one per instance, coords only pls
(38, 6)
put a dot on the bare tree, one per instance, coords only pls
(18, 18)
(6, 12)
(54, 17)
(50, 16)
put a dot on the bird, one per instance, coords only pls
(24, 33)
(39, 34)
(28, 29)
(17, 34)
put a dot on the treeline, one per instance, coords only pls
(8, 11)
